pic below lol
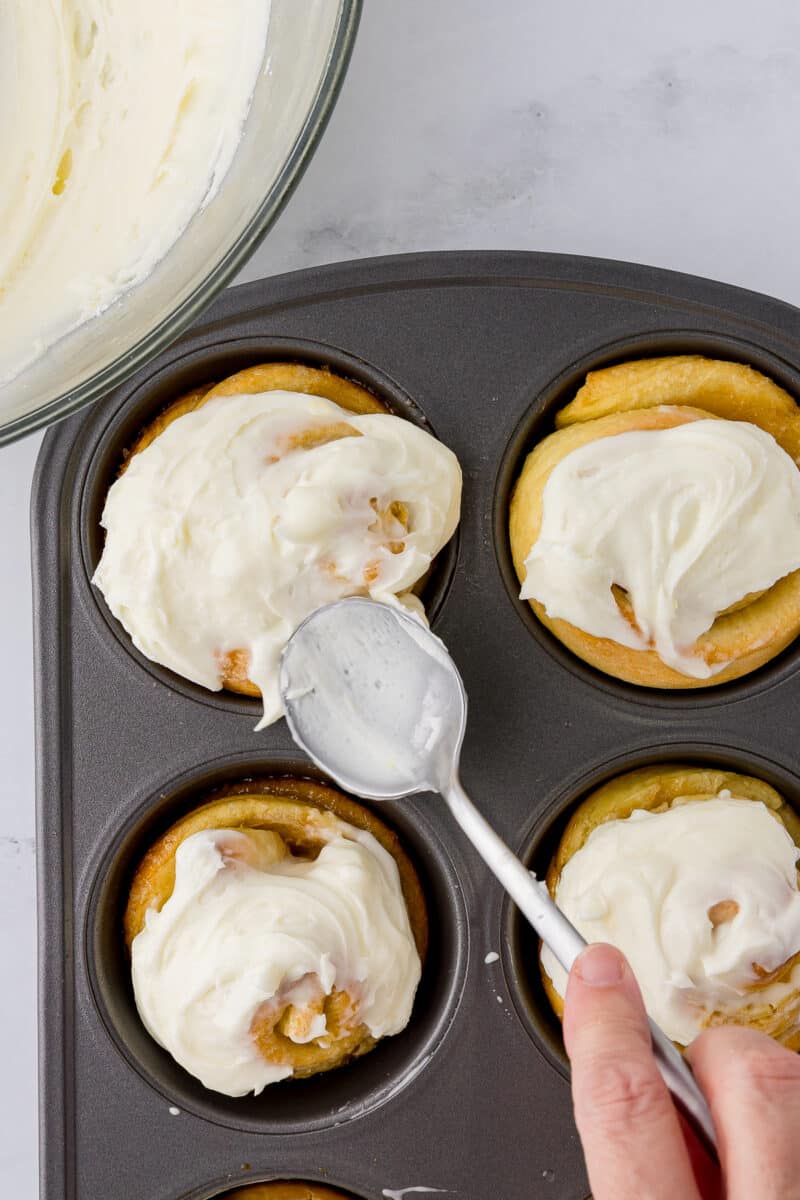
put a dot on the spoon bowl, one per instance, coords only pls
(372, 693)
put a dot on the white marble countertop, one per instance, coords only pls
(657, 133)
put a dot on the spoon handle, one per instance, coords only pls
(557, 931)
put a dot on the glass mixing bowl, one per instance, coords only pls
(308, 48)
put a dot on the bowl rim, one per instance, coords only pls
(183, 314)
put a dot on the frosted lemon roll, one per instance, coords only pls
(245, 515)
(661, 542)
(701, 894)
(126, 118)
(282, 944)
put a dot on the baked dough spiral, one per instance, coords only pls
(299, 818)
(247, 505)
(663, 789)
(656, 395)
(267, 377)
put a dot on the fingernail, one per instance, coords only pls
(600, 966)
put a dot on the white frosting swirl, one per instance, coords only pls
(246, 924)
(121, 119)
(220, 536)
(688, 520)
(647, 884)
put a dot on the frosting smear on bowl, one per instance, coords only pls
(703, 899)
(254, 939)
(121, 121)
(688, 521)
(251, 512)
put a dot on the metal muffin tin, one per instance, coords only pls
(472, 1097)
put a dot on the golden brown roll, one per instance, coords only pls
(284, 910)
(247, 504)
(285, 1191)
(692, 873)
(664, 516)
(267, 377)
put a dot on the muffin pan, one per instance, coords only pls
(472, 1097)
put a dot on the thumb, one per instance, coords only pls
(629, 1128)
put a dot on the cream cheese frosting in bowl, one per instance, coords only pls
(151, 146)
(250, 512)
(127, 118)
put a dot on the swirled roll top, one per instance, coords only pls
(687, 521)
(262, 964)
(248, 513)
(703, 899)
(656, 532)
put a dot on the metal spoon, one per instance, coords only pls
(375, 699)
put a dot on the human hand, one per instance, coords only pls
(637, 1147)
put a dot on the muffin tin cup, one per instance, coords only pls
(223, 1190)
(146, 397)
(521, 945)
(538, 422)
(293, 1106)
(484, 347)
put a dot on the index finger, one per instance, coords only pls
(628, 1125)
